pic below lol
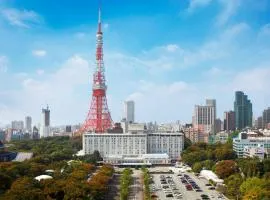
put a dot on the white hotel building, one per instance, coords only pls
(135, 147)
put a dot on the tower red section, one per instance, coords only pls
(99, 118)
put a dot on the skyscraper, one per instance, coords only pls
(129, 111)
(266, 117)
(229, 121)
(243, 110)
(28, 124)
(205, 116)
(17, 125)
(45, 122)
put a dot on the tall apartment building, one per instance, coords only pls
(17, 125)
(266, 117)
(229, 121)
(243, 110)
(45, 122)
(205, 115)
(129, 111)
(28, 124)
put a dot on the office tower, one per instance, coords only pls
(229, 121)
(17, 125)
(35, 133)
(68, 129)
(129, 111)
(45, 122)
(266, 117)
(217, 125)
(205, 116)
(259, 123)
(28, 124)
(243, 110)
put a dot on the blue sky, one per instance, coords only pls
(167, 56)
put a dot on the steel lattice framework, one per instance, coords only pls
(99, 118)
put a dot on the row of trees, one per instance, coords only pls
(146, 182)
(126, 179)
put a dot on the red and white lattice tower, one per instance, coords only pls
(99, 118)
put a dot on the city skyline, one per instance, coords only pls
(207, 52)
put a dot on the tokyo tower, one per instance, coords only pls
(99, 118)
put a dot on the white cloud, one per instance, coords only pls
(229, 9)
(163, 101)
(40, 72)
(193, 4)
(3, 63)
(58, 89)
(172, 47)
(80, 35)
(21, 18)
(39, 53)
(265, 30)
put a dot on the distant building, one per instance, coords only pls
(133, 144)
(45, 123)
(246, 139)
(129, 111)
(243, 111)
(136, 128)
(2, 135)
(205, 116)
(221, 137)
(35, 133)
(68, 129)
(259, 123)
(217, 125)
(229, 121)
(266, 117)
(28, 124)
(17, 125)
(254, 152)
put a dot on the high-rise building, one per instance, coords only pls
(129, 111)
(243, 110)
(45, 122)
(28, 124)
(259, 122)
(229, 121)
(266, 117)
(17, 125)
(205, 115)
(35, 133)
(217, 125)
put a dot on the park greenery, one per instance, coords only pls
(245, 178)
(126, 179)
(146, 182)
(80, 179)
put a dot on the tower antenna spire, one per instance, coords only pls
(99, 17)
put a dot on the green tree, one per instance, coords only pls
(251, 183)
(197, 167)
(233, 183)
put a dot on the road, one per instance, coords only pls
(136, 187)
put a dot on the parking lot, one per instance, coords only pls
(182, 185)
